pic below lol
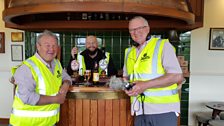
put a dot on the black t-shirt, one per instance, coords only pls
(90, 62)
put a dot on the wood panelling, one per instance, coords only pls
(85, 112)
(95, 106)
(161, 25)
(198, 9)
(101, 109)
(78, 113)
(109, 117)
(178, 4)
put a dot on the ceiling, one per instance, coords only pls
(98, 14)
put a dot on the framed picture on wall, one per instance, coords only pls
(2, 42)
(17, 52)
(216, 39)
(17, 36)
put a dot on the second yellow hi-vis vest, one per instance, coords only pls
(46, 84)
(83, 66)
(148, 66)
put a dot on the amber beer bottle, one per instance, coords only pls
(95, 74)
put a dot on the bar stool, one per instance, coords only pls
(216, 123)
(203, 118)
(221, 116)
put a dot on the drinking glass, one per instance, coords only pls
(87, 75)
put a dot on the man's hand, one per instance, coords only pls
(64, 88)
(12, 80)
(137, 89)
(74, 51)
(60, 98)
(45, 100)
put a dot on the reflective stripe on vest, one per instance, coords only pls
(131, 76)
(145, 76)
(161, 93)
(80, 59)
(26, 113)
(108, 57)
(42, 87)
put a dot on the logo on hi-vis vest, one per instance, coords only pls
(145, 57)
(59, 74)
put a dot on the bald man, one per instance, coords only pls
(91, 55)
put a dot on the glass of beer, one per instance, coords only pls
(87, 75)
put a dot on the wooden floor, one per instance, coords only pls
(4, 124)
(4, 121)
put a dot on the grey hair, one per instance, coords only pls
(140, 18)
(47, 33)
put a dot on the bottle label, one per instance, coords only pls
(95, 77)
(74, 65)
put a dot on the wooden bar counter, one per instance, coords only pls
(95, 106)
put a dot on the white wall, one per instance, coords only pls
(6, 89)
(206, 66)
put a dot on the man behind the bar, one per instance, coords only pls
(154, 69)
(42, 85)
(91, 55)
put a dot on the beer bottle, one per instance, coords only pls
(95, 73)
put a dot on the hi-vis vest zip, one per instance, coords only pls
(46, 84)
(148, 66)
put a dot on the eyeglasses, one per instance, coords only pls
(137, 29)
(49, 46)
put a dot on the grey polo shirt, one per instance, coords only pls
(26, 84)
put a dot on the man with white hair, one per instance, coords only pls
(42, 85)
(152, 66)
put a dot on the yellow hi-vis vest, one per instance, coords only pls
(46, 84)
(148, 66)
(83, 65)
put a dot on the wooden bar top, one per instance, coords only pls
(103, 92)
(91, 89)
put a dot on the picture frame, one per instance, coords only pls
(216, 39)
(17, 52)
(2, 42)
(17, 36)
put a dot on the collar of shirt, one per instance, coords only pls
(50, 66)
(139, 50)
